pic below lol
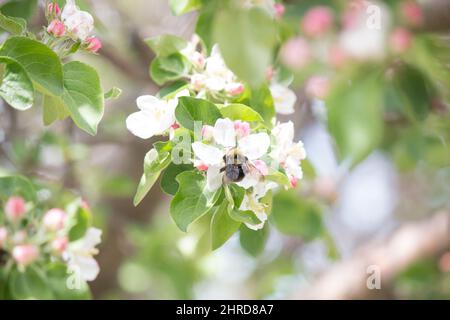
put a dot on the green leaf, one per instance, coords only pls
(113, 93)
(180, 7)
(40, 62)
(237, 111)
(57, 276)
(12, 25)
(246, 39)
(279, 178)
(79, 220)
(16, 87)
(155, 161)
(355, 116)
(415, 91)
(145, 184)
(205, 21)
(54, 109)
(190, 110)
(169, 184)
(83, 95)
(222, 226)
(173, 67)
(192, 200)
(17, 186)
(253, 241)
(294, 216)
(19, 8)
(261, 101)
(30, 284)
(165, 45)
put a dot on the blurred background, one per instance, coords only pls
(390, 210)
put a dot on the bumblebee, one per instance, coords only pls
(237, 166)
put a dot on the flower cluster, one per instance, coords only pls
(211, 78)
(71, 25)
(27, 239)
(231, 152)
(363, 31)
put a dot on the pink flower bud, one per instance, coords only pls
(85, 205)
(198, 59)
(53, 9)
(412, 13)
(400, 40)
(207, 132)
(54, 219)
(197, 81)
(293, 181)
(279, 10)
(317, 87)
(270, 72)
(242, 128)
(3, 236)
(15, 208)
(201, 166)
(175, 126)
(56, 28)
(337, 56)
(261, 166)
(25, 254)
(59, 245)
(317, 21)
(444, 262)
(234, 89)
(295, 53)
(93, 44)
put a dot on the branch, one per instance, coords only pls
(411, 242)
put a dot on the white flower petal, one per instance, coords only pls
(248, 181)
(142, 125)
(208, 154)
(224, 133)
(255, 145)
(283, 98)
(213, 178)
(87, 266)
(149, 103)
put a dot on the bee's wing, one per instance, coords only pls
(250, 169)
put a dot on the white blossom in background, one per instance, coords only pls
(79, 254)
(364, 36)
(283, 98)
(79, 23)
(155, 117)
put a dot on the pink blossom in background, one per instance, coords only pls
(56, 28)
(317, 21)
(412, 13)
(400, 40)
(318, 87)
(15, 208)
(25, 254)
(295, 53)
(93, 44)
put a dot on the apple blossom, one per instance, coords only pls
(79, 254)
(283, 98)
(54, 219)
(56, 28)
(242, 128)
(234, 88)
(93, 44)
(400, 40)
(412, 13)
(207, 132)
(317, 87)
(25, 254)
(252, 202)
(317, 21)
(79, 23)
(3, 236)
(59, 245)
(253, 146)
(279, 10)
(53, 9)
(295, 53)
(15, 208)
(197, 59)
(155, 117)
(288, 153)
